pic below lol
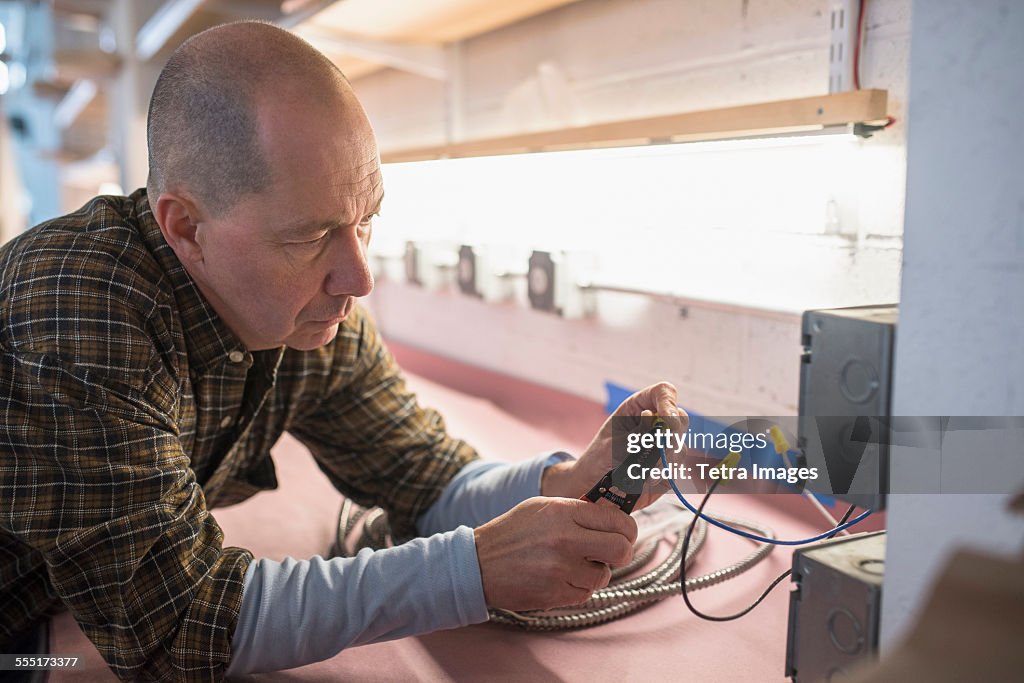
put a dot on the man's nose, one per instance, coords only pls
(349, 273)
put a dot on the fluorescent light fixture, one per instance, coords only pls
(3, 38)
(5, 78)
(579, 199)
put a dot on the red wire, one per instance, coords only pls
(889, 120)
(856, 46)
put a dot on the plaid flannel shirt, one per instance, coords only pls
(129, 410)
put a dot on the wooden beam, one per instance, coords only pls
(298, 11)
(428, 21)
(422, 60)
(781, 117)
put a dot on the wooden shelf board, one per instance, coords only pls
(784, 116)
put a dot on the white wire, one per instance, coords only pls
(815, 502)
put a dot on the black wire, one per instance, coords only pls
(845, 518)
(686, 547)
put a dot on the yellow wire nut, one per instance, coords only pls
(729, 462)
(778, 439)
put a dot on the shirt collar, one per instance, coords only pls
(209, 340)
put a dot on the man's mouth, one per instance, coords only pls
(338, 317)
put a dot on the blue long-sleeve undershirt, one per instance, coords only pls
(297, 612)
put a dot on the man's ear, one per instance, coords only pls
(179, 216)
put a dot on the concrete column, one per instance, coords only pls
(959, 343)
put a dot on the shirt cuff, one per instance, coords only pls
(483, 490)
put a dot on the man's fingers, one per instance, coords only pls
(661, 399)
(604, 518)
(551, 552)
(591, 576)
(611, 549)
(575, 595)
(666, 401)
(666, 398)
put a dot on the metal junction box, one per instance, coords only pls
(845, 400)
(835, 609)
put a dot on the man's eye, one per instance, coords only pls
(313, 241)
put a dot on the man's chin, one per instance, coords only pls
(308, 341)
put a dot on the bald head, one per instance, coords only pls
(204, 123)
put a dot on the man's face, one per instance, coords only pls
(284, 267)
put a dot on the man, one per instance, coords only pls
(155, 346)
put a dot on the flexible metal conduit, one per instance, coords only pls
(624, 596)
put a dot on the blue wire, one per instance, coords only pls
(746, 534)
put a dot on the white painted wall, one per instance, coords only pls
(962, 313)
(725, 362)
(754, 228)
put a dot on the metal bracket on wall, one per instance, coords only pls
(842, 39)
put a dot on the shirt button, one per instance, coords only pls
(226, 422)
(236, 356)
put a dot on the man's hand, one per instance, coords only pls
(573, 479)
(551, 552)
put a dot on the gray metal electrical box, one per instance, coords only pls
(835, 609)
(845, 400)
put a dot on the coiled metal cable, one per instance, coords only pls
(622, 597)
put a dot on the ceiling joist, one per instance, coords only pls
(393, 27)
(423, 60)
